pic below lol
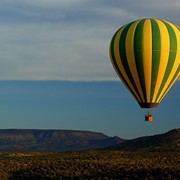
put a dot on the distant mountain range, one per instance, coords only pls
(53, 140)
(70, 140)
(169, 141)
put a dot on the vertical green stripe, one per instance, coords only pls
(172, 56)
(138, 55)
(116, 66)
(156, 47)
(123, 56)
(138, 35)
(170, 84)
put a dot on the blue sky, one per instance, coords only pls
(68, 40)
(104, 106)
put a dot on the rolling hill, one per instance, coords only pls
(169, 141)
(69, 140)
(53, 140)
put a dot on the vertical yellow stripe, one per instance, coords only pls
(147, 56)
(176, 63)
(120, 65)
(131, 58)
(169, 88)
(164, 55)
(174, 69)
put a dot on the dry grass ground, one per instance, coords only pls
(90, 165)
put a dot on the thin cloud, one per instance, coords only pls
(69, 39)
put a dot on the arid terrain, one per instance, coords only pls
(152, 157)
(94, 164)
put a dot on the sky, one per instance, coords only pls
(68, 40)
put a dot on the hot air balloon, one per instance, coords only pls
(146, 56)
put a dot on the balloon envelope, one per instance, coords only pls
(146, 56)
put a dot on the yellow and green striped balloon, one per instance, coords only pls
(146, 56)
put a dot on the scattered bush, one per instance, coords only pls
(90, 165)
